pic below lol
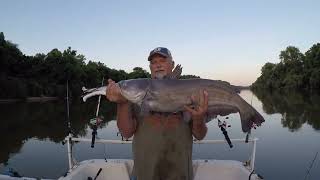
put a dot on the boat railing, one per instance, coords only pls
(69, 139)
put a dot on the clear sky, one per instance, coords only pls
(226, 40)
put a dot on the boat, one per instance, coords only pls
(121, 169)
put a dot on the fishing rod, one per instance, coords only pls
(69, 142)
(223, 126)
(97, 120)
(254, 126)
(248, 136)
(310, 167)
(68, 109)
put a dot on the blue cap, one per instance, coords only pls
(162, 51)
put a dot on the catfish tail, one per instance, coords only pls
(250, 118)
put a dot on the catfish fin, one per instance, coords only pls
(176, 73)
(222, 110)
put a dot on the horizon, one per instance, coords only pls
(214, 40)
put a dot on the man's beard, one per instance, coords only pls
(160, 75)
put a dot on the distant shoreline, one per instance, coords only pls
(240, 88)
(30, 99)
(244, 87)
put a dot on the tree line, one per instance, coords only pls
(23, 76)
(295, 71)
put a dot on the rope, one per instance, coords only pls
(251, 174)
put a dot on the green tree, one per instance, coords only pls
(188, 76)
(2, 39)
(295, 71)
(291, 55)
(312, 64)
(138, 72)
(46, 74)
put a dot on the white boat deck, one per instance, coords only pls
(121, 169)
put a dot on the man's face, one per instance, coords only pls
(160, 66)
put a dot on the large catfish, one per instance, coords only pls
(171, 95)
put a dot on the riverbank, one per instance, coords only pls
(30, 99)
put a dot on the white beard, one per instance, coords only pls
(159, 75)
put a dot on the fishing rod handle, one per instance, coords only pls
(226, 136)
(93, 138)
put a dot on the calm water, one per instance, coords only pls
(32, 134)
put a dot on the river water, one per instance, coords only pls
(32, 136)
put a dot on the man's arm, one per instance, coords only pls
(198, 115)
(199, 128)
(125, 122)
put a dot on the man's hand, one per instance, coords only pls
(198, 113)
(113, 92)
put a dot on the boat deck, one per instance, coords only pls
(121, 169)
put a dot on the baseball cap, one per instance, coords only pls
(162, 51)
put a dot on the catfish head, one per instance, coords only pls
(135, 89)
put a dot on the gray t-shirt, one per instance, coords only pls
(162, 147)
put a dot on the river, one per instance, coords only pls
(32, 136)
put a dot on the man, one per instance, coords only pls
(162, 142)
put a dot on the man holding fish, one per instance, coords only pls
(162, 142)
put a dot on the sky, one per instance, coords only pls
(224, 40)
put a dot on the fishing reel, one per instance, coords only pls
(254, 126)
(223, 124)
(97, 121)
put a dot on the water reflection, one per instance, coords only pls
(23, 121)
(296, 108)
